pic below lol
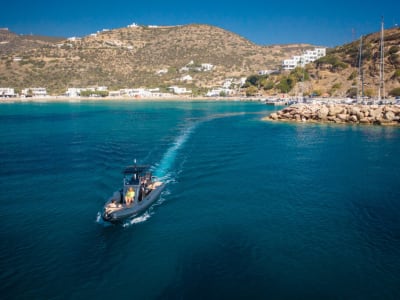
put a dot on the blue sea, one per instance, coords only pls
(252, 209)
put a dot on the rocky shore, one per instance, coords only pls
(339, 113)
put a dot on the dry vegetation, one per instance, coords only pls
(130, 57)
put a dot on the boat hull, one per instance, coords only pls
(135, 210)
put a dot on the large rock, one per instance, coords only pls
(335, 110)
(353, 118)
(322, 113)
(354, 110)
(375, 112)
(342, 117)
(365, 120)
(389, 115)
(274, 116)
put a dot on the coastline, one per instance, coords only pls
(178, 98)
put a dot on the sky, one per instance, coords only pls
(322, 23)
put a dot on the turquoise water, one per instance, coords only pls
(252, 209)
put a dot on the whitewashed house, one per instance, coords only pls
(207, 67)
(73, 92)
(7, 92)
(217, 92)
(186, 78)
(301, 60)
(179, 90)
(34, 92)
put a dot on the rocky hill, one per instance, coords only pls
(134, 57)
(337, 73)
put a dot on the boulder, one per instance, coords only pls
(365, 120)
(360, 115)
(389, 115)
(342, 117)
(274, 116)
(335, 110)
(322, 113)
(354, 110)
(353, 118)
(375, 112)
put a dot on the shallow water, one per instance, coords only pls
(251, 209)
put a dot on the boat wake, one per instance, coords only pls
(142, 218)
(163, 171)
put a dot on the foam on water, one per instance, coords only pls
(163, 168)
(140, 219)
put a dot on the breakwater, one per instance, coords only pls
(339, 113)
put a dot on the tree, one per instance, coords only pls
(300, 74)
(251, 91)
(286, 84)
(268, 84)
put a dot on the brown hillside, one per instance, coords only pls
(337, 73)
(130, 57)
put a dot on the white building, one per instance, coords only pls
(186, 78)
(207, 67)
(179, 90)
(34, 92)
(73, 92)
(162, 72)
(7, 92)
(301, 60)
(74, 39)
(217, 92)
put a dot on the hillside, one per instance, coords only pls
(337, 73)
(131, 57)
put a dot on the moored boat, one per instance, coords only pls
(140, 189)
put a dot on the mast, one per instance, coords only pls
(360, 72)
(381, 91)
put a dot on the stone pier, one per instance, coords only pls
(339, 113)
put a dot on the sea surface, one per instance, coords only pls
(252, 209)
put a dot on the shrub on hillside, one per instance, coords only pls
(395, 92)
(332, 60)
(394, 49)
(286, 84)
(352, 76)
(396, 74)
(351, 92)
(251, 91)
(300, 74)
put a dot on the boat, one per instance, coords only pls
(139, 190)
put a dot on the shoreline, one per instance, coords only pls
(65, 99)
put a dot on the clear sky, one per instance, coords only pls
(264, 22)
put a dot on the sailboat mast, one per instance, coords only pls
(360, 73)
(381, 92)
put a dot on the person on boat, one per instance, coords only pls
(129, 196)
(111, 206)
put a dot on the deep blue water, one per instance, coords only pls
(252, 210)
